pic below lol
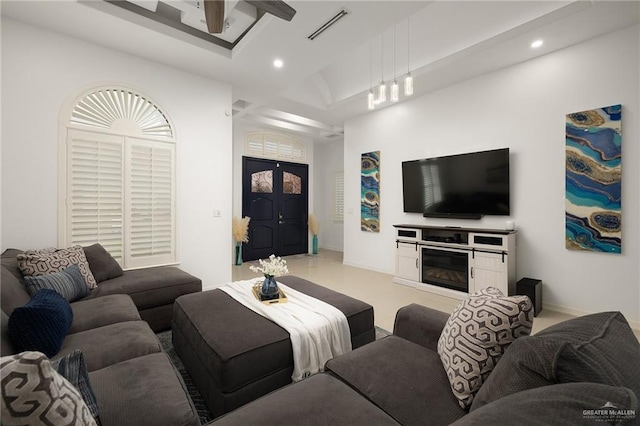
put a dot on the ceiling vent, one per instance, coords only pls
(328, 24)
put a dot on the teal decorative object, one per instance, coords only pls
(593, 180)
(238, 253)
(315, 244)
(370, 192)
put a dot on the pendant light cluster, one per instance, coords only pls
(378, 95)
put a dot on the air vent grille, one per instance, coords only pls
(328, 24)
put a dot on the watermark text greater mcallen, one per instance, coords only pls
(609, 413)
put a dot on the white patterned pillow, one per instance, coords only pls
(47, 261)
(476, 336)
(34, 393)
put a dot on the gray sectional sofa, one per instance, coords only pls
(133, 380)
(582, 371)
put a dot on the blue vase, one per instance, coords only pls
(269, 290)
(315, 244)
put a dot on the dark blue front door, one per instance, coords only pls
(275, 197)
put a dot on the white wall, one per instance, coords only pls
(523, 108)
(240, 129)
(329, 158)
(40, 70)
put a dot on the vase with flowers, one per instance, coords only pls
(274, 267)
(314, 227)
(240, 229)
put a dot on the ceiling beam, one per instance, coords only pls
(276, 8)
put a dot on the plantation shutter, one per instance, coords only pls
(338, 197)
(95, 191)
(151, 200)
(275, 146)
(117, 180)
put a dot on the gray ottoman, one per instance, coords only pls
(235, 355)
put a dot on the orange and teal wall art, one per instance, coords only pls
(593, 180)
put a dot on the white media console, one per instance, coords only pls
(453, 261)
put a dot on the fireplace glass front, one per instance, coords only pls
(445, 268)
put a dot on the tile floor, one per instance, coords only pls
(375, 288)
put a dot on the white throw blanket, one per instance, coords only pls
(318, 330)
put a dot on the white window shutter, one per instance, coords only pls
(275, 146)
(95, 191)
(151, 210)
(117, 184)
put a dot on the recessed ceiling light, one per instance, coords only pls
(536, 44)
(278, 63)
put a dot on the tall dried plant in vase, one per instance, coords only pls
(240, 229)
(314, 228)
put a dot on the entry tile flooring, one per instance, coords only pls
(377, 289)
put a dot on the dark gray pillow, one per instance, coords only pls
(562, 404)
(102, 264)
(598, 348)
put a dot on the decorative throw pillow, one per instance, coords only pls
(102, 264)
(73, 368)
(69, 283)
(477, 334)
(599, 348)
(33, 393)
(47, 261)
(42, 324)
(581, 403)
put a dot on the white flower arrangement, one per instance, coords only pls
(274, 267)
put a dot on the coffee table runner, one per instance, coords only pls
(318, 331)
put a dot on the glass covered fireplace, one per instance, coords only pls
(446, 268)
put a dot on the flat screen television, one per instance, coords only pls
(458, 186)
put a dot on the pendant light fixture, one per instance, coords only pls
(371, 98)
(408, 80)
(382, 88)
(394, 95)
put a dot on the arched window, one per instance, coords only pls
(117, 176)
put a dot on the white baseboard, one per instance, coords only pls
(340, 249)
(635, 325)
(452, 294)
(403, 281)
(355, 265)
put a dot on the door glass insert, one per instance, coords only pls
(262, 181)
(291, 184)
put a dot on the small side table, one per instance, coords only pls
(532, 288)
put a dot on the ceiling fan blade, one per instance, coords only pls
(214, 14)
(274, 7)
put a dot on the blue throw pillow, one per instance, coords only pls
(73, 368)
(69, 283)
(42, 324)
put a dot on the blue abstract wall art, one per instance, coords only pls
(593, 180)
(370, 192)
